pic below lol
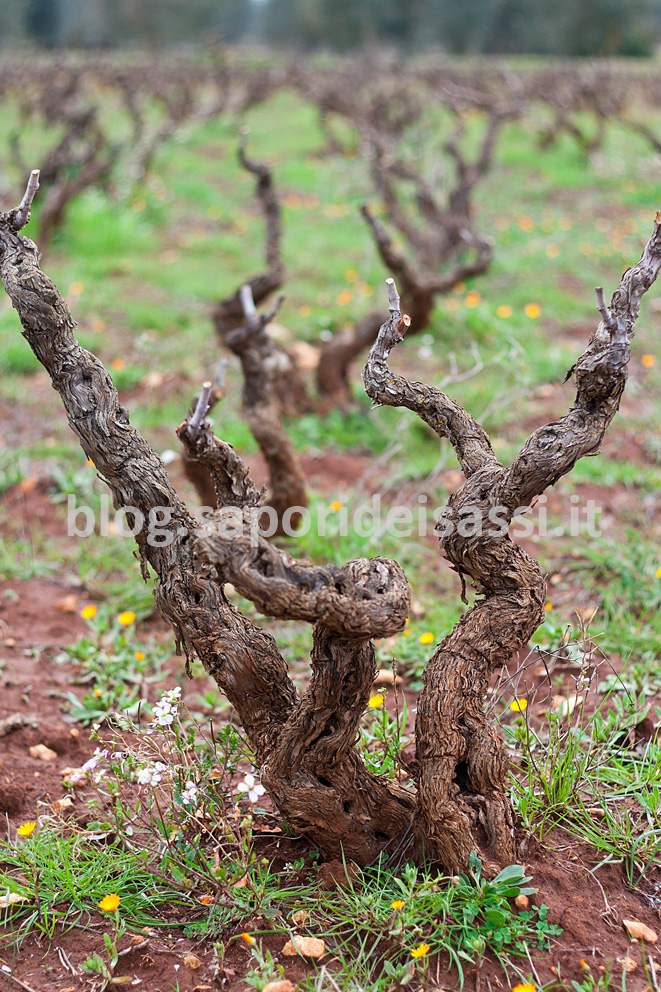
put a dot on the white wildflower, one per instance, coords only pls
(165, 710)
(189, 795)
(252, 787)
(91, 763)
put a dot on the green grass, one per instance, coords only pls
(63, 878)
(142, 266)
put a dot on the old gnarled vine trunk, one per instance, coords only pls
(305, 745)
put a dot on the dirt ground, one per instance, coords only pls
(588, 904)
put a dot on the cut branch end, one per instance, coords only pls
(21, 215)
(393, 296)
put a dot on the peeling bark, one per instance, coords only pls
(305, 746)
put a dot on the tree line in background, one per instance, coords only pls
(547, 27)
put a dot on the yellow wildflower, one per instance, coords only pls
(75, 289)
(426, 638)
(504, 311)
(109, 903)
(139, 656)
(524, 987)
(532, 310)
(248, 939)
(89, 612)
(472, 299)
(420, 951)
(336, 505)
(126, 618)
(397, 904)
(375, 702)
(518, 705)
(26, 829)
(648, 361)
(548, 606)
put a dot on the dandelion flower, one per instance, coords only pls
(406, 633)
(351, 275)
(139, 656)
(532, 310)
(504, 311)
(420, 951)
(126, 618)
(336, 505)
(88, 612)
(648, 361)
(205, 900)
(518, 705)
(375, 702)
(472, 299)
(397, 904)
(426, 638)
(26, 829)
(109, 903)
(524, 987)
(548, 606)
(248, 939)
(658, 572)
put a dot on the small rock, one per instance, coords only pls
(306, 356)
(639, 931)
(192, 961)
(305, 947)
(153, 380)
(627, 963)
(522, 902)
(61, 804)
(74, 732)
(12, 899)
(283, 986)
(546, 391)
(67, 605)
(385, 677)
(42, 752)
(9, 642)
(565, 705)
(300, 916)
